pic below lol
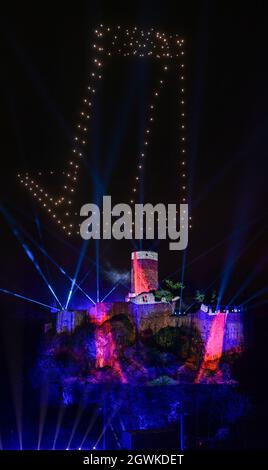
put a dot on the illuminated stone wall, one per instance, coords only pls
(68, 321)
(154, 317)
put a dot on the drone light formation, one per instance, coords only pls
(167, 49)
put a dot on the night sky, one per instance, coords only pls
(45, 65)
(46, 59)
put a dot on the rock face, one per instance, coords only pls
(68, 321)
(154, 317)
(158, 315)
(131, 343)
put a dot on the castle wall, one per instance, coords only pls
(68, 321)
(155, 317)
(103, 311)
(159, 315)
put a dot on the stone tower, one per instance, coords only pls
(144, 272)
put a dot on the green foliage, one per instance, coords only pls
(168, 339)
(184, 342)
(162, 293)
(121, 328)
(174, 286)
(163, 380)
(199, 296)
(171, 289)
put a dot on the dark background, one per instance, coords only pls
(44, 68)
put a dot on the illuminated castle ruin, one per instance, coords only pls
(221, 331)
